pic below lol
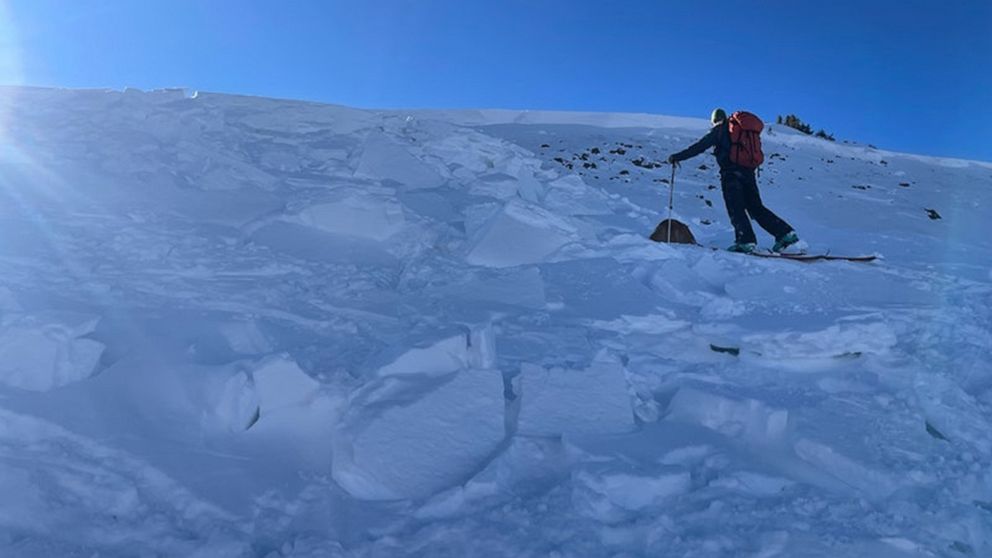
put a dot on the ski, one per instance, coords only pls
(798, 256)
(814, 257)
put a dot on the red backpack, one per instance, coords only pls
(745, 139)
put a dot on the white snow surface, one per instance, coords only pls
(236, 326)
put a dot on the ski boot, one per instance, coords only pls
(743, 247)
(788, 239)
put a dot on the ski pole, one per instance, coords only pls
(671, 202)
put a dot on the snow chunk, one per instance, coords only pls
(384, 158)
(872, 483)
(474, 350)
(245, 337)
(518, 287)
(237, 406)
(755, 484)
(839, 339)
(575, 402)
(570, 195)
(748, 418)
(519, 234)
(527, 466)
(612, 493)
(504, 186)
(251, 394)
(954, 412)
(355, 215)
(393, 450)
(281, 383)
(655, 324)
(41, 352)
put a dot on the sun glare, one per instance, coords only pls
(10, 61)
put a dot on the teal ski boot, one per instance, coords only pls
(743, 247)
(788, 239)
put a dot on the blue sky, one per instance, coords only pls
(907, 75)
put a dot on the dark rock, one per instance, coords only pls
(934, 432)
(932, 213)
(729, 350)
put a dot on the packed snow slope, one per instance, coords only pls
(234, 326)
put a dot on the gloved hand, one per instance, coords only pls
(673, 161)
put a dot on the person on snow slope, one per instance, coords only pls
(740, 189)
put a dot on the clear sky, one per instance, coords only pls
(908, 75)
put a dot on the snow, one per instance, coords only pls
(361, 216)
(442, 435)
(750, 419)
(589, 401)
(42, 351)
(614, 496)
(519, 234)
(236, 326)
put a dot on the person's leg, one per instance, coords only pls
(733, 197)
(772, 223)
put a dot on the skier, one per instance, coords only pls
(740, 190)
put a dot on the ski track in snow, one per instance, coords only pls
(234, 326)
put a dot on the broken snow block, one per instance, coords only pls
(257, 391)
(280, 383)
(358, 215)
(680, 233)
(472, 349)
(237, 407)
(527, 466)
(871, 482)
(612, 492)
(519, 234)
(747, 418)
(570, 195)
(40, 352)
(559, 401)
(384, 158)
(398, 449)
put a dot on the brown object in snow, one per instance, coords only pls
(680, 233)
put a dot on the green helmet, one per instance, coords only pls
(718, 115)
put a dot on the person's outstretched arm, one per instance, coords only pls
(707, 141)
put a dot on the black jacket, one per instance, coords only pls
(718, 137)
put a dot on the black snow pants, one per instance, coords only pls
(740, 193)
